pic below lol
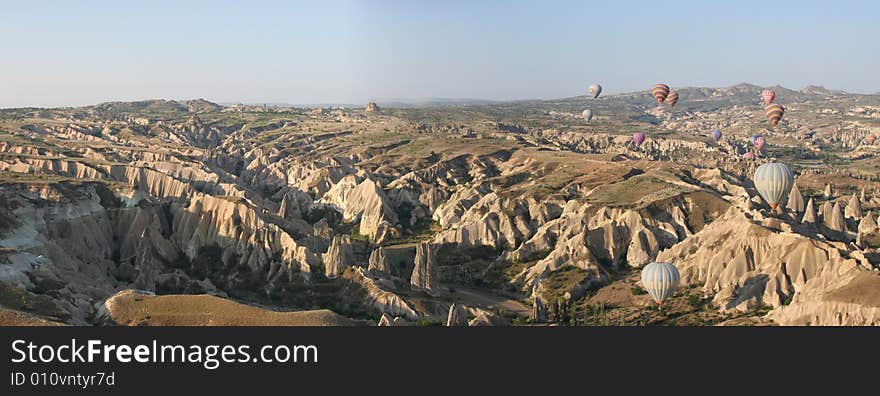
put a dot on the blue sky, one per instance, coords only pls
(58, 53)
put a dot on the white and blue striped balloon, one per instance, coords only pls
(773, 181)
(660, 280)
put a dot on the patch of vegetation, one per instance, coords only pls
(425, 322)
(562, 281)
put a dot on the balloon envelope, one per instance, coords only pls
(716, 135)
(759, 142)
(660, 91)
(587, 114)
(595, 90)
(660, 280)
(773, 181)
(639, 138)
(672, 99)
(767, 96)
(774, 113)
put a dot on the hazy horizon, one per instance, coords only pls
(60, 54)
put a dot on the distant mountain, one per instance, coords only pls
(428, 102)
(435, 102)
(820, 90)
(158, 106)
(201, 105)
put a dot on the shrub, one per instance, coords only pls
(787, 300)
(638, 291)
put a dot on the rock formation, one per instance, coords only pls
(853, 208)
(486, 318)
(191, 198)
(810, 216)
(379, 262)
(457, 316)
(366, 203)
(867, 224)
(338, 257)
(795, 200)
(836, 221)
(372, 107)
(425, 272)
(540, 313)
(381, 299)
(386, 320)
(827, 211)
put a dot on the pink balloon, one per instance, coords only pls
(639, 138)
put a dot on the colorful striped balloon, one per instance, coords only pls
(587, 114)
(660, 280)
(768, 96)
(639, 138)
(660, 91)
(774, 113)
(773, 181)
(595, 90)
(672, 98)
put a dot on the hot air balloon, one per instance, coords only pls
(672, 98)
(767, 96)
(587, 114)
(774, 112)
(660, 91)
(660, 280)
(639, 138)
(716, 135)
(758, 141)
(750, 155)
(773, 181)
(595, 90)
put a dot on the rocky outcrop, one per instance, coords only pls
(810, 216)
(372, 107)
(379, 298)
(853, 208)
(591, 238)
(827, 210)
(385, 320)
(338, 257)
(836, 221)
(486, 318)
(867, 224)
(379, 263)
(540, 313)
(365, 203)
(795, 200)
(851, 300)
(457, 316)
(425, 275)
(746, 265)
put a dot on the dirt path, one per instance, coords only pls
(482, 299)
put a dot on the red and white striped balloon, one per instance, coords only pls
(768, 96)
